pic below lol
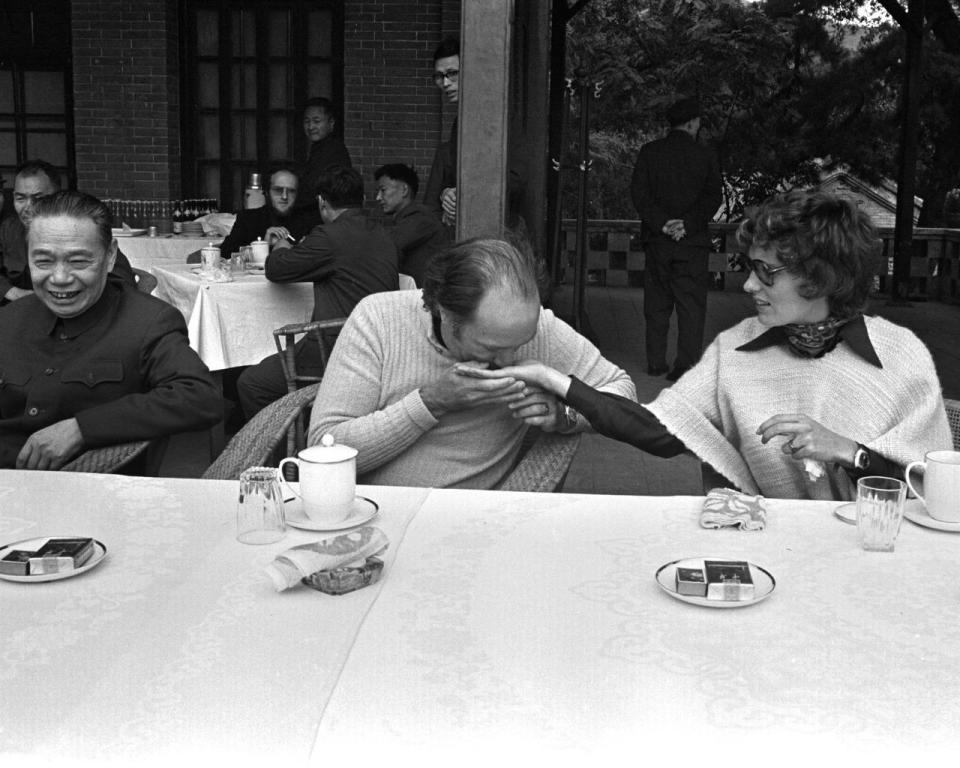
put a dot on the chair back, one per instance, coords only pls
(543, 466)
(321, 332)
(145, 281)
(108, 459)
(256, 444)
(953, 417)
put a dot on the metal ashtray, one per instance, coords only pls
(339, 581)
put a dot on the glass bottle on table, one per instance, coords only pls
(253, 196)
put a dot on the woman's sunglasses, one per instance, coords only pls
(761, 269)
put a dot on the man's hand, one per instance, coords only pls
(538, 409)
(274, 234)
(808, 439)
(455, 391)
(533, 372)
(448, 200)
(675, 229)
(51, 447)
(17, 293)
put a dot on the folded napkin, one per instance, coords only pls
(345, 550)
(725, 507)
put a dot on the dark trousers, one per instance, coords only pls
(676, 277)
(264, 383)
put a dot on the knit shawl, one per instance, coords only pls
(716, 407)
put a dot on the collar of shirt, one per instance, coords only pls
(71, 327)
(854, 333)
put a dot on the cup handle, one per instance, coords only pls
(912, 465)
(283, 480)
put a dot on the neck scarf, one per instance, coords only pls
(814, 339)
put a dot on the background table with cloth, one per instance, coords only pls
(149, 252)
(231, 324)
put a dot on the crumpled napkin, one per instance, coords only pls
(725, 507)
(346, 549)
(217, 224)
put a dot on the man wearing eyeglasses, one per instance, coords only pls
(35, 180)
(676, 188)
(278, 220)
(441, 191)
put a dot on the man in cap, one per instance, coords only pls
(676, 189)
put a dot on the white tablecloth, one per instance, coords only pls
(149, 252)
(176, 643)
(530, 625)
(231, 324)
(507, 626)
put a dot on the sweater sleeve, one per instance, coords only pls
(624, 420)
(350, 403)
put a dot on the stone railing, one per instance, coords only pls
(615, 257)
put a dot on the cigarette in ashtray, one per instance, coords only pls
(347, 550)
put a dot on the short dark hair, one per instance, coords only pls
(341, 187)
(826, 240)
(459, 276)
(323, 103)
(399, 172)
(77, 205)
(36, 167)
(449, 46)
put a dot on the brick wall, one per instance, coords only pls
(392, 110)
(126, 104)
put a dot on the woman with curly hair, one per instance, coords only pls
(807, 396)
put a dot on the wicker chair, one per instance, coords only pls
(321, 332)
(108, 459)
(256, 444)
(953, 416)
(543, 466)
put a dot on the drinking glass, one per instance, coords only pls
(260, 508)
(879, 512)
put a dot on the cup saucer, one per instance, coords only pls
(364, 509)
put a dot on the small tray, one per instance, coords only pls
(99, 553)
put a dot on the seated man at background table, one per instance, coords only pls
(393, 390)
(273, 221)
(84, 360)
(348, 257)
(35, 180)
(417, 230)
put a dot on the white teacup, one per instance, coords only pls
(328, 480)
(941, 481)
(259, 250)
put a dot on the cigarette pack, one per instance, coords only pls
(691, 581)
(60, 555)
(16, 562)
(728, 580)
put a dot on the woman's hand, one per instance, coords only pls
(808, 439)
(530, 371)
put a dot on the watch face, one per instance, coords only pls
(861, 459)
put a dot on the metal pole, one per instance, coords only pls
(580, 263)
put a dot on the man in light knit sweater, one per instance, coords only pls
(398, 386)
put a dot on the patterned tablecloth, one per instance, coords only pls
(149, 252)
(231, 324)
(507, 627)
(177, 642)
(531, 626)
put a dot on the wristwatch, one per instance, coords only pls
(861, 459)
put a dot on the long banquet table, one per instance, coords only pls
(149, 252)
(506, 625)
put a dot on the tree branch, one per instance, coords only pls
(899, 14)
(574, 9)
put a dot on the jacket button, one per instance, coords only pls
(50, 371)
(33, 412)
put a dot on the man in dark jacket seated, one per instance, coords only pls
(277, 220)
(35, 180)
(87, 360)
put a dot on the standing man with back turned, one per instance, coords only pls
(676, 189)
